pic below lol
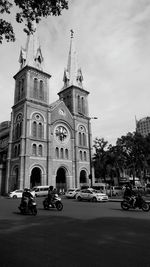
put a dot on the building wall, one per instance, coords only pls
(46, 144)
(143, 126)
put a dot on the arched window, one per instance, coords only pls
(15, 152)
(22, 88)
(35, 89)
(66, 153)
(18, 130)
(37, 126)
(61, 153)
(19, 90)
(34, 149)
(80, 155)
(84, 156)
(82, 136)
(41, 92)
(80, 139)
(40, 130)
(82, 105)
(34, 129)
(40, 150)
(15, 130)
(79, 106)
(57, 153)
(18, 149)
(84, 139)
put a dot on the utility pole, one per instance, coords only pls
(89, 141)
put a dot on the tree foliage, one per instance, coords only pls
(29, 11)
(100, 158)
(135, 148)
(6, 29)
(131, 154)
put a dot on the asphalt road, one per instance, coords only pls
(83, 234)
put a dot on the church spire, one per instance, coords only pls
(72, 74)
(32, 55)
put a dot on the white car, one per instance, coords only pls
(71, 193)
(18, 193)
(91, 194)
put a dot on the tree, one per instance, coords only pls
(6, 29)
(29, 11)
(134, 149)
(99, 159)
(131, 154)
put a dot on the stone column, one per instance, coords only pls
(1, 168)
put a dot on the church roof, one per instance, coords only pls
(72, 74)
(31, 55)
(55, 104)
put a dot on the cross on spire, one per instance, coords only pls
(72, 32)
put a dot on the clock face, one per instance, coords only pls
(61, 133)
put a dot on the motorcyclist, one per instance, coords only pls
(51, 194)
(26, 197)
(130, 194)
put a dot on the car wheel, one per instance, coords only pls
(145, 206)
(124, 205)
(94, 199)
(14, 196)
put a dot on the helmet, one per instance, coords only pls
(26, 190)
(51, 187)
(129, 186)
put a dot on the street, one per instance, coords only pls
(83, 234)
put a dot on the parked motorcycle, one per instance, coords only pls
(140, 203)
(28, 207)
(55, 203)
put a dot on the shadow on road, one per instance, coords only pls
(62, 241)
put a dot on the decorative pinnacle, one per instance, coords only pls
(72, 32)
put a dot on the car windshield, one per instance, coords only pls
(93, 191)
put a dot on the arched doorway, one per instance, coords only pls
(61, 180)
(83, 178)
(35, 178)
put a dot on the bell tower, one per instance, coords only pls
(29, 113)
(73, 93)
(31, 80)
(75, 98)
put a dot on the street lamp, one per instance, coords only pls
(89, 141)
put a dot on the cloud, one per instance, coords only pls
(113, 45)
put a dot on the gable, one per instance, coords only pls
(61, 113)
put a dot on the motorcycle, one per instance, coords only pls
(28, 207)
(140, 203)
(55, 203)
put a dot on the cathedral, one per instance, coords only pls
(46, 144)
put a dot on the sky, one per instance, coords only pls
(112, 40)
